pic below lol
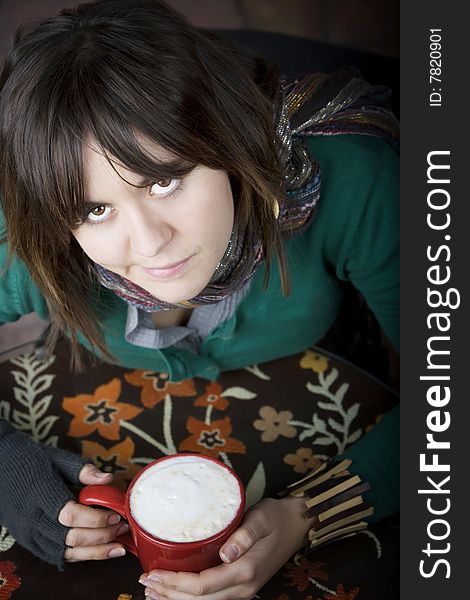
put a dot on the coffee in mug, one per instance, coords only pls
(185, 499)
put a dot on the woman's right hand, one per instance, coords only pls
(92, 530)
(38, 508)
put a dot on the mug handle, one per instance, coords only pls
(110, 497)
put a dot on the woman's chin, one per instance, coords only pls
(176, 297)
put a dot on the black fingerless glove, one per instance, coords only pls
(33, 492)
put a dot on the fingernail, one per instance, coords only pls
(151, 594)
(115, 552)
(113, 519)
(155, 578)
(123, 529)
(229, 553)
(145, 581)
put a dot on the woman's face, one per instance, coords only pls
(167, 238)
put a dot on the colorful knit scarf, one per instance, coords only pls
(309, 105)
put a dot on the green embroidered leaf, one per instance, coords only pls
(330, 378)
(335, 425)
(44, 427)
(326, 406)
(41, 383)
(257, 372)
(22, 396)
(354, 436)
(52, 441)
(352, 412)
(40, 407)
(324, 441)
(315, 389)
(319, 424)
(5, 410)
(20, 378)
(167, 433)
(341, 392)
(306, 434)
(22, 420)
(239, 393)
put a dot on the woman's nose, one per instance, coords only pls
(149, 237)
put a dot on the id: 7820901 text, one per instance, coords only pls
(435, 67)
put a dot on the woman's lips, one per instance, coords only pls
(169, 271)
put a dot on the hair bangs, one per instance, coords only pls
(110, 113)
(129, 149)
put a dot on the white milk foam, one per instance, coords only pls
(185, 499)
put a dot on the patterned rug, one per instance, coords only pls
(271, 422)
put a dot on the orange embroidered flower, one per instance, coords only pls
(211, 439)
(303, 460)
(273, 424)
(301, 573)
(100, 411)
(155, 386)
(313, 360)
(116, 459)
(341, 594)
(9, 582)
(212, 397)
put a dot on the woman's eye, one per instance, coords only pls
(164, 187)
(98, 213)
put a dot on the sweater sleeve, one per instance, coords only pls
(362, 245)
(373, 264)
(359, 220)
(373, 268)
(33, 492)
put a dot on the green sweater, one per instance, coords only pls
(354, 236)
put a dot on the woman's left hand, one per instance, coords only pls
(271, 532)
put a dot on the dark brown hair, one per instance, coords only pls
(113, 70)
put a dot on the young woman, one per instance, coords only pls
(166, 199)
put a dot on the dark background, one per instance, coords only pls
(371, 25)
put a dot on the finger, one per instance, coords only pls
(175, 585)
(100, 552)
(81, 536)
(74, 514)
(159, 592)
(90, 475)
(254, 527)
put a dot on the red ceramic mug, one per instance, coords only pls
(155, 553)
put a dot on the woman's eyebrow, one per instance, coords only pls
(169, 168)
(89, 204)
